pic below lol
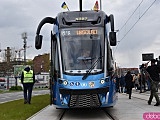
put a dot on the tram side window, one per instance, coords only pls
(57, 69)
(110, 58)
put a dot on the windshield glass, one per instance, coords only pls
(81, 48)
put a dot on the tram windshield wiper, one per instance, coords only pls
(91, 68)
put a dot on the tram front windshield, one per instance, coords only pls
(82, 49)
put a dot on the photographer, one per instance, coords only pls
(153, 74)
(142, 80)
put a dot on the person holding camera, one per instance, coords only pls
(153, 74)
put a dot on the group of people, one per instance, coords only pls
(123, 83)
(149, 75)
(139, 83)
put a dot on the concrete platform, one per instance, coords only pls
(125, 109)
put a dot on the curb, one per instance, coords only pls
(37, 113)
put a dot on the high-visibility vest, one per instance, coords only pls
(28, 76)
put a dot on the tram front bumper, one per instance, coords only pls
(84, 98)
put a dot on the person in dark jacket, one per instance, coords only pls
(129, 83)
(122, 83)
(117, 83)
(28, 80)
(153, 74)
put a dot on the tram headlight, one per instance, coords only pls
(65, 82)
(102, 81)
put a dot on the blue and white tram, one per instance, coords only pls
(81, 59)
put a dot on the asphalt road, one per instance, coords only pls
(6, 97)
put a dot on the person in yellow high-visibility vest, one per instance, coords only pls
(28, 80)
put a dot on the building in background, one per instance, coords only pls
(41, 63)
(123, 71)
(11, 68)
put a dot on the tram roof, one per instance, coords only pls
(69, 17)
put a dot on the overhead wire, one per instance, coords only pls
(131, 15)
(134, 23)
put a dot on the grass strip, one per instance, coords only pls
(17, 110)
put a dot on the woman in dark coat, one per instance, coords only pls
(129, 83)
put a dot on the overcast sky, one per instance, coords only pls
(18, 16)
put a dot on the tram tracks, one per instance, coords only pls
(108, 115)
(112, 117)
(61, 115)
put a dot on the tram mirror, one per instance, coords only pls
(38, 41)
(112, 38)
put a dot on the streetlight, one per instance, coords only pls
(24, 37)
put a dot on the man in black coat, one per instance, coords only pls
(153, 73)
(129, 83)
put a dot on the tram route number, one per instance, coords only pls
(66, 32)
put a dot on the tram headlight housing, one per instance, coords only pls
(65, 82)
(107, 79)
(103, 80)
